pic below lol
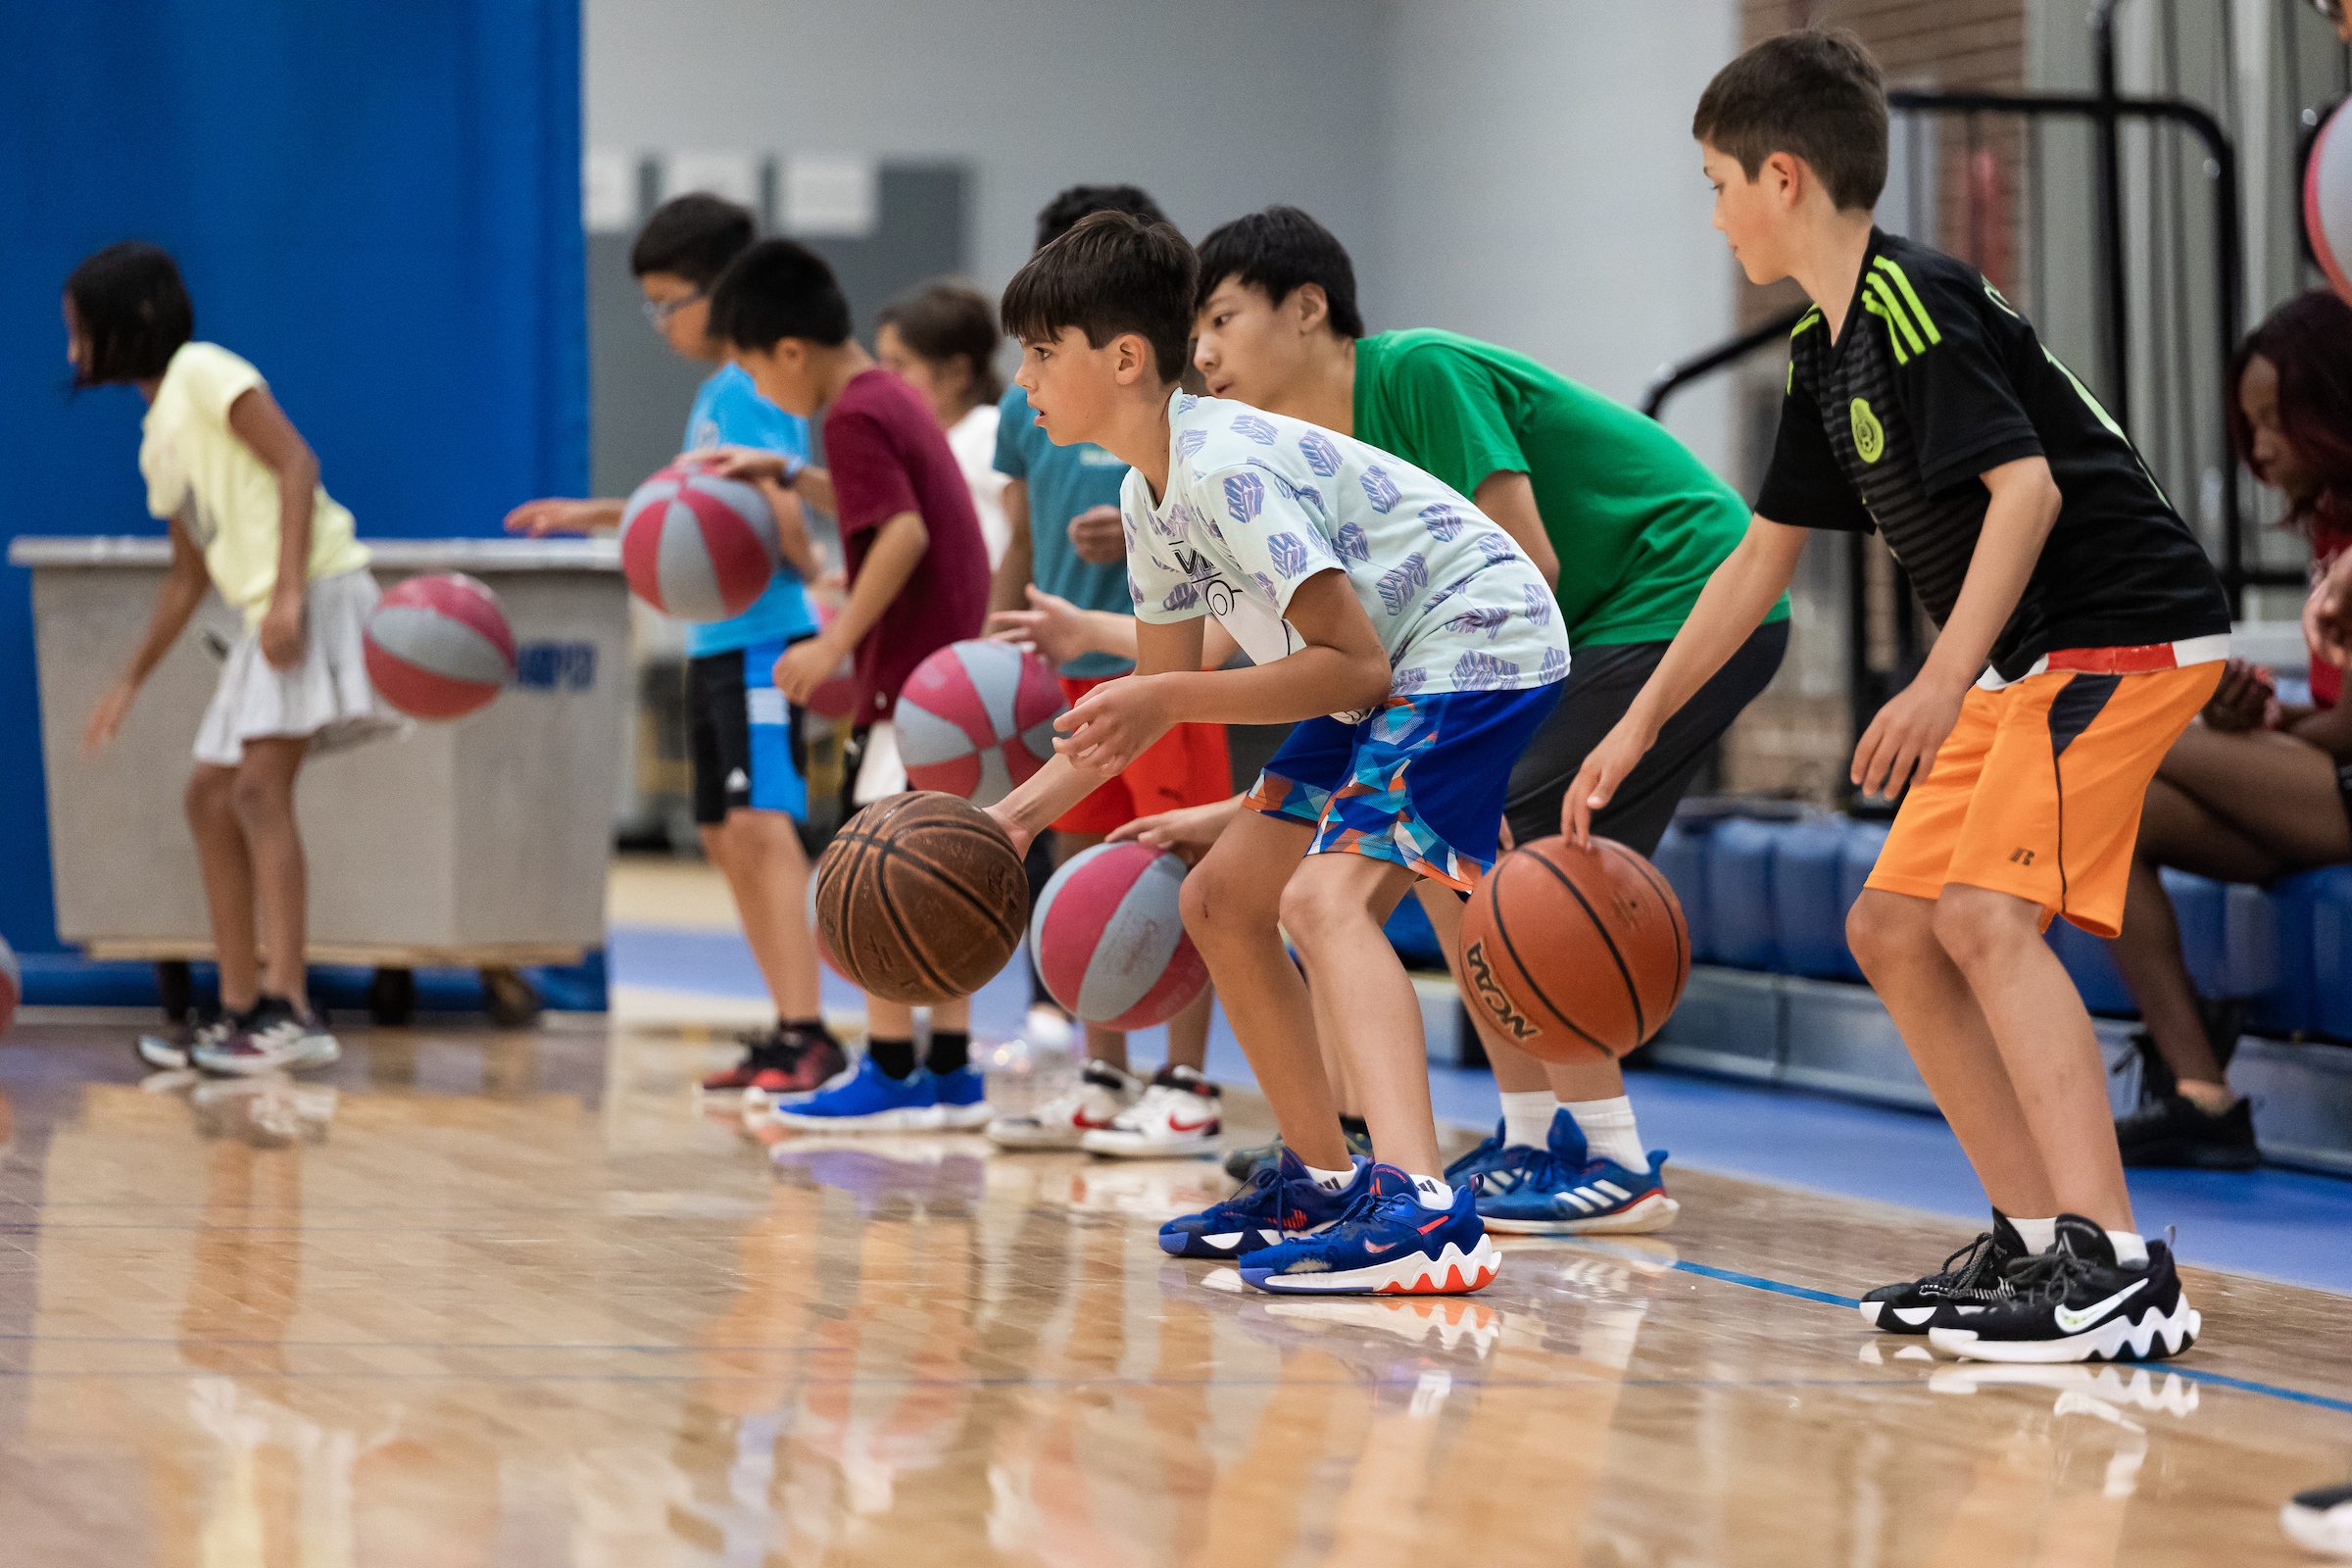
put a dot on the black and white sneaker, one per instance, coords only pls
(2074, 1302)
(172, 1050)
(2174, 1130)
(2321, 1520)
(1975, 1275)
(272, 1038)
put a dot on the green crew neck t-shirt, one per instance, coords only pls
(1637, 521)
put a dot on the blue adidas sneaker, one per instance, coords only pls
(1564, 1189)
(868, 1100)
(1490, 1151)
(1281, 1200)
(1387, 1245)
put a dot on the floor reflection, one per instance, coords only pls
(512, 1300)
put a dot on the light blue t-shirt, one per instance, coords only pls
(1062, 482)
(729, 411)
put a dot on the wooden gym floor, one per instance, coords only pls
(510, 1300)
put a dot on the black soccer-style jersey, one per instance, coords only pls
(1936, 379)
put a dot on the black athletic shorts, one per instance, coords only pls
(1600, 687)
(743, 737)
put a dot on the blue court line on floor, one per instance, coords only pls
(1757, 1282)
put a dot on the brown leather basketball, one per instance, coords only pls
(1570, 950)
(920, 897)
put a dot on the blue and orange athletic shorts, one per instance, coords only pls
(1419, 783)
(2037, 791)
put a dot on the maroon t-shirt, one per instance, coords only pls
(887, 455)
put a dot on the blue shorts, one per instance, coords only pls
(1420, 784)
(743, 736)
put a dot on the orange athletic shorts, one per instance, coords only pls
(1186, 766)
(2037, 790)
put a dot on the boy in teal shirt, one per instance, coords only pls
(1622, 519)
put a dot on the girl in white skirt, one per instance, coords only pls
(240, 491)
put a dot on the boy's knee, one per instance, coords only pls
(1977, 927)
(1313, 908)
(1884, 930)
(1220, 899)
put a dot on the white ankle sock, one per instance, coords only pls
(1431, 1192)
(1527, 1118)
(1610, 1131)
(1330, 1181)
(2041, 1235)
(2130, 1248)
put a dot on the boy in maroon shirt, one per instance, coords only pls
(919, 581)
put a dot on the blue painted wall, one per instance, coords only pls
(378, 204)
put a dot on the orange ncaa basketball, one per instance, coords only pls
(1569, 951)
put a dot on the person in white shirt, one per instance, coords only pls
(239, 487)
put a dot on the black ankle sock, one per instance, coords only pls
(951, 1050)
(1355, 1127)
(803, 1026)
(895, 1057)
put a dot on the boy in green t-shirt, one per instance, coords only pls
(1622, 519)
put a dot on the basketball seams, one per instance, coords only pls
(1671, 905)
(871, 863)
(1502, 931)
(1632, 991)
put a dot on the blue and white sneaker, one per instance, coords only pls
(869, 1100)
(1564, 1189)
(962, 1099)
(1280, 1201)
(1490, 1151)
(1387, 1245)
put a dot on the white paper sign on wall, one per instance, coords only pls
(830, 195)
(720, 172)
(608, 191)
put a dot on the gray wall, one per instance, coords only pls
(1517, 169)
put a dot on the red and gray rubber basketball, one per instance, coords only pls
(696, 546)
(1566, 952)
(2328, 199)
(976, 718)
(12, 986)
(1108, 938)
(439, 647)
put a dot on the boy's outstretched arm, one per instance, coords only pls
(1739, 595)
(1905, 734)
(890, 561)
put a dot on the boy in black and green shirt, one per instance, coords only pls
(1623, 520)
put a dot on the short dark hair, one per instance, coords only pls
(1060, 215)
(693, 237)
(1112, 273)
(1815, 94)
(942, 321)
(133, 311)
(777, 289)
(1279, 250)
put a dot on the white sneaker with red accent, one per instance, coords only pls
(1177, 1117)
(1101, 1092)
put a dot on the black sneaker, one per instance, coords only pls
(275, 1037)
(2075, 1304)
(2174, 1130)
(1976, 1275)
(2321, 1520)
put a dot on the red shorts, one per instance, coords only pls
(1186, 766)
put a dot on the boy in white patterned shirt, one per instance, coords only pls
(1385, 614)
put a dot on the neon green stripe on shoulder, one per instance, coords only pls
(1902, 280)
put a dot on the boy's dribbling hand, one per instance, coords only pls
(1187, 832)
(107, 718)
(743, 463)
(1902, 740)
(1619, 753)
(805, 666)
(1099, 537)
(1111, 725)
(2244, 699)
(1051, 628)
